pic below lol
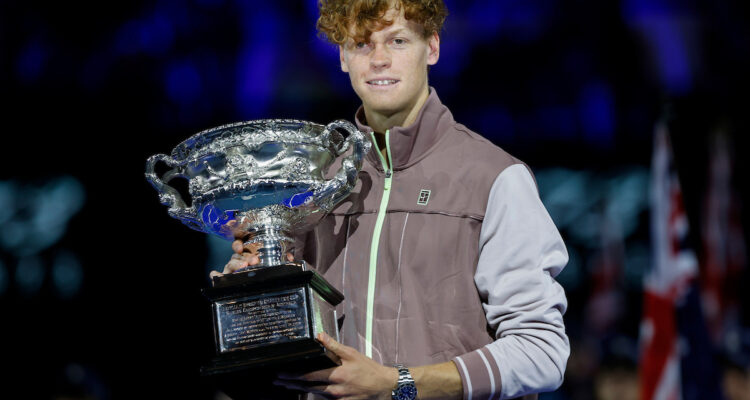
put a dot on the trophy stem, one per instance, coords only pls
(274, 244)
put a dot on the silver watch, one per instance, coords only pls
(405, 388)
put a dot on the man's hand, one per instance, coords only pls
(245, 255)
(358, 377)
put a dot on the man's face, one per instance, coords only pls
(390, 72)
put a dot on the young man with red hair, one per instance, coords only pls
(444, 251)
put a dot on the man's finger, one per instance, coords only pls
(250, 258)
(214, 274)
(237, 247)
(332, 345)
(234, 265)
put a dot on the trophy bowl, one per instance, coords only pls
(263, 182)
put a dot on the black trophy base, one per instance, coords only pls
(241, 378)
(265, 322)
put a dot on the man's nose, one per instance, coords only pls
(380, 57)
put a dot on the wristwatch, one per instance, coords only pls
(405, 388)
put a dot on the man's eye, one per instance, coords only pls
(399, 41)
(360, 45)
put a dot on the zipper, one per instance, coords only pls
(376, 240)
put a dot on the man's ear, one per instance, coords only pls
(342, 58)
(433, 46)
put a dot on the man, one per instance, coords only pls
(444, 252)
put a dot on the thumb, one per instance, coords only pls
(331, 344)
(237, 246)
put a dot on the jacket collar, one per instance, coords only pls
(412, 143)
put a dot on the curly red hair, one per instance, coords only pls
(340, 18)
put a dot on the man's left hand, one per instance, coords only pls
(358, 376)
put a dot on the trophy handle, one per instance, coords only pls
(338, 187)
(168, 195)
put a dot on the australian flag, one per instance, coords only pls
(677, 358)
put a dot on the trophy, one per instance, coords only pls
(263, 182)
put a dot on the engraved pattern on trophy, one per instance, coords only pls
(260, 180)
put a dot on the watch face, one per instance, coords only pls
(406, 392)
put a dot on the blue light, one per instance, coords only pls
(67, 275)
(517, 20)
(311, 9)
(486, 17)
(257, 61)
(637, 258)
(31, 61)
(665, 26)
(156, 33)
(34, 218)
(627, 197)
(567, 194)
(7, 200)
(327, 53)
(54, 205)
(597, 110)
(634, 11)
(29, 275)
(672, 57)
(454, 56)
(255, 89)
(579, 202)
(14, 234)
(183, 82)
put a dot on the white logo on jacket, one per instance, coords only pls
(424, 197)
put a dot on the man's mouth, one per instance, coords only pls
(382, 82)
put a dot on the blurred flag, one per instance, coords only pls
(724, 254)
(676, 353)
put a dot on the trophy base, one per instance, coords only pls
(266, 321)
(252, 378)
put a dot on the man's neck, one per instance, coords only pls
(380, 122)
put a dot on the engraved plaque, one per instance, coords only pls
(259, 320)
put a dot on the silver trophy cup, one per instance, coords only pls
(264, 182)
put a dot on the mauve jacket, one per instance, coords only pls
(465, 261)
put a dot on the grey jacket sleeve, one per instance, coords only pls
(521, 252)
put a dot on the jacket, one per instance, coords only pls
(448, 255)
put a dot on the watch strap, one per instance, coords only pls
(404, 379)
(403, 374)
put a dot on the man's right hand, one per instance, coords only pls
(245, 255)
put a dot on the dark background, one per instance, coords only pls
(107, 304)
